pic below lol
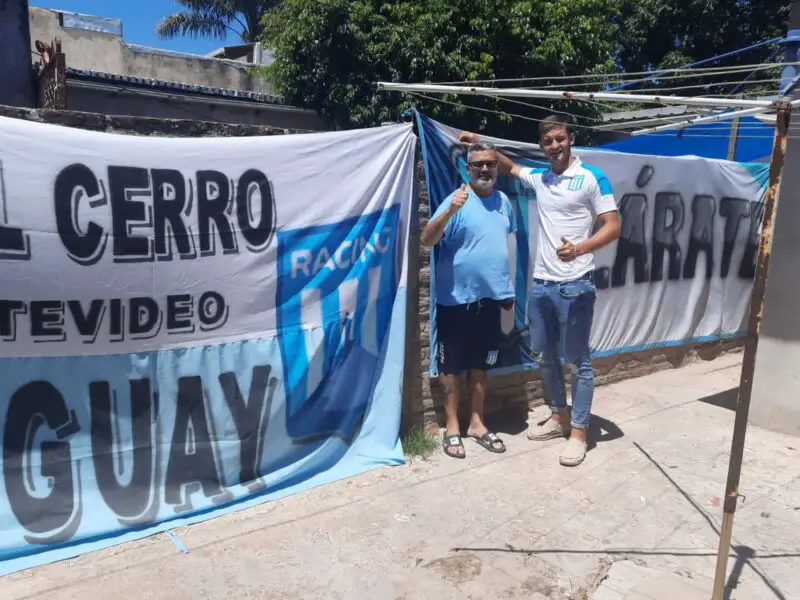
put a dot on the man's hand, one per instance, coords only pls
(459, 198)
(568, 251)
(506, 164)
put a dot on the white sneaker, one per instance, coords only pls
(549, 430)
(573, 453)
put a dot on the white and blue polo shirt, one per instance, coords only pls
(568, 205)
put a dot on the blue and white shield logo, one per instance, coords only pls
(336, 288)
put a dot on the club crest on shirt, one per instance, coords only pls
(576, 183)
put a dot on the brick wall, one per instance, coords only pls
(523, 391)
(422, 402)
(138, 125)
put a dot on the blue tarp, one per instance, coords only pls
(711, 140)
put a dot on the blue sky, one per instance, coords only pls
(139, 19)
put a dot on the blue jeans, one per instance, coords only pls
(560, 316)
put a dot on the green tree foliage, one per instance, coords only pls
(217, 19)
(664, 34)
(329, 52)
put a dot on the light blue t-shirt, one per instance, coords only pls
(472, 256)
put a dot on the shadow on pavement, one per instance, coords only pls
(742, 555)
(726, 399)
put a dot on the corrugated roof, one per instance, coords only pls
(663, 111)
(175, 86)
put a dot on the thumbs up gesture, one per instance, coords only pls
(567, 251)
(459, 198)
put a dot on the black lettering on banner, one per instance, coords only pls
(213, 200)
(117, 320)
(733, 210)
(72, 184)
(192, 463)
(179, 314)
(55, 516)
(258, 236)
(47, 321)
(747, 270)
(170, 206)
(632, 242)
(212, 312)
(602, 278)
(645, 175)
(9, 310)
(667, 224)
(87, 323)
(134, 503)
(251, 420)
(145, 317)
(14, 244)
(124, 184)
(701, 237)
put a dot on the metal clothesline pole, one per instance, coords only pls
(697, 120)
(751, 346)
(569, 95)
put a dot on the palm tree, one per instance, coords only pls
(215, 18)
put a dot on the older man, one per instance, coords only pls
(570, 196)
(473, 284)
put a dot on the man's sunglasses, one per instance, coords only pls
(479, 164)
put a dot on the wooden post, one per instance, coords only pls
(734, 137)
(412, 383)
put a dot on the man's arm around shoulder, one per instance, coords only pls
(504, 164)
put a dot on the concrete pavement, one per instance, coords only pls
(647, 502)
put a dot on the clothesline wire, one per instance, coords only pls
(695, 86)
(725, 125)
(640, 90)
(601, 120)
(719, 136)
(547, 108)
(687, 75)
(606, 106)
(591, 127)
(611, 77)
(499, 112)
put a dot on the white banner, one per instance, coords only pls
(682, 269)
(192, 326)
(119, 243)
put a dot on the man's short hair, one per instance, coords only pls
(553, 122)
(480, 147)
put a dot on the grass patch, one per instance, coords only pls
(417, 442)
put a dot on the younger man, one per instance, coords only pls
(570, 195)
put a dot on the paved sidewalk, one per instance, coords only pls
(507, 526)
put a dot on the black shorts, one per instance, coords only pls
(468, 336)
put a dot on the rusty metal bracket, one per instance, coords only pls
(52, 75)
